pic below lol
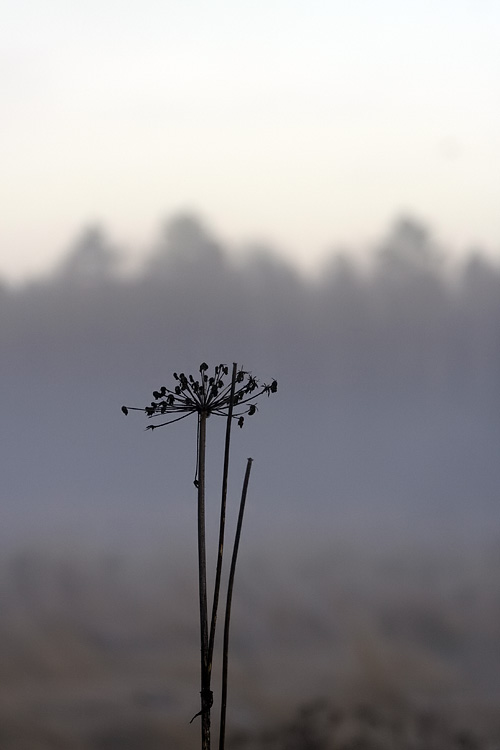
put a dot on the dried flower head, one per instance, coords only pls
(207, 394)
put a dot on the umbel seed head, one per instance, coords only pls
(207, 395)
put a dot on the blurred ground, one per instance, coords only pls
(331, 648)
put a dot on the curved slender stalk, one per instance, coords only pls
(225, 652)
(222, 520)
(206, 695)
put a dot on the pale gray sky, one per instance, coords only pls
(306, 123)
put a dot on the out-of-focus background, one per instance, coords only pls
(307, 190)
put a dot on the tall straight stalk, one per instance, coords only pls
(206, 695)
(222, 520)
(225, 651)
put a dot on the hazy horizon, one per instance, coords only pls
(387, 414)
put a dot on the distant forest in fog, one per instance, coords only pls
(389, 382)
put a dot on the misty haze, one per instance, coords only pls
(369, 570)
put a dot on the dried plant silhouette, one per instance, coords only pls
(205, 396)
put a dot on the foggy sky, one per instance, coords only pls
(350, 112)
(387, 415)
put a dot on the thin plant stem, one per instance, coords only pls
(222, 520)
(210, 395)
(225, 648)
(206, 695)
